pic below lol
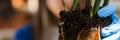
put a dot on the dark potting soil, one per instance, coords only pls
(78, 25)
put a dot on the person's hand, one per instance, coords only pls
(112, 31)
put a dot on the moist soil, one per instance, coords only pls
(78, 25)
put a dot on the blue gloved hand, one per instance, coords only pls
(112, 31)
(25, 32)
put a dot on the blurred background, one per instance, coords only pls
(15, 13)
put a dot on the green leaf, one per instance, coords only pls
(96, 6)
(75, 2)
(65, 8)
(89, 7)
(106, 2)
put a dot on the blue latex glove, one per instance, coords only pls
(24, 33)
(112, 31)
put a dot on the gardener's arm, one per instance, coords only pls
(112, 31)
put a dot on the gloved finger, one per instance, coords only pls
(113, 37)
(110, 30)
(106, 11)
(115, 19)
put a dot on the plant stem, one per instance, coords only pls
(89, 6)
(88, 3)
(74, 5)
(96, 6)
(65, 8)
(106, 2)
